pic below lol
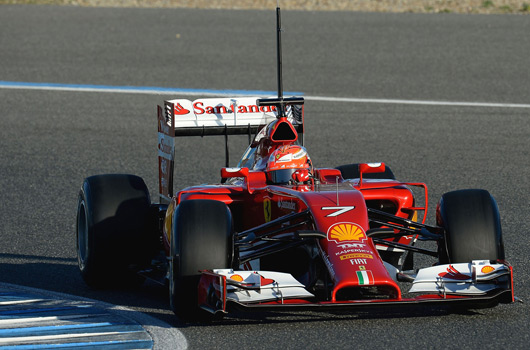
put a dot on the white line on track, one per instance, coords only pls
(208, 92)
(15, 302)
(41, 338)
(416, 102)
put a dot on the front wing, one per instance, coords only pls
(474, 285)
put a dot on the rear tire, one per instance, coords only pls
(351, 171)
(113, 232)
(201, 239)
(472, 226)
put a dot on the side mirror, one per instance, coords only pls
(369, 168)
(234, 172)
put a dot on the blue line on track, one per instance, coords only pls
(38, 310)
(137, 89)
(55, 328)
(114, 344)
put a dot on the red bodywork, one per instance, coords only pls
(338, 209)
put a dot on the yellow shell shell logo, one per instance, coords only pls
(345, 231)
(237, 278)
(487, 269)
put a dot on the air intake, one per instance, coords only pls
(283, 131)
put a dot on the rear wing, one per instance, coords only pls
(215, 116)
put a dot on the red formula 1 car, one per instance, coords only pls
(278, 233)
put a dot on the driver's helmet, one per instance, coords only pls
(289, 164)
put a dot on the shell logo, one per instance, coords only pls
(346, 231)
(237, 278)
(487, 269)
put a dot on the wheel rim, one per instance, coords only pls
(82, 235)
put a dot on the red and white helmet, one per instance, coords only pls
(289, 163)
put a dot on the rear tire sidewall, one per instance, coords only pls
(472, 226)
(112, 230)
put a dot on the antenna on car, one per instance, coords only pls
(279, 56)
(280, 102)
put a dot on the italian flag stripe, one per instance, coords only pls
(365, 277)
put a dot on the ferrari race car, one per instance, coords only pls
(277, 233)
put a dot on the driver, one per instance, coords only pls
(289, 165)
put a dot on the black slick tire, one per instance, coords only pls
(201, 239)
(472, 226)
(112, 230)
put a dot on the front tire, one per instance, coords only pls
(112, 231)
(201, 239)
(472, 226)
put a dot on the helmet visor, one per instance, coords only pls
(282, 176)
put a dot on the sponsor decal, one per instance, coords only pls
(362, 267)
(166, 150)
(251, 279)
(164, 175)
(358, 261)
(300, 154)
(351, 245)
(199, 108)
(353, 256)
(165, 145)
(365, 277)
(286, 205)
(283, 157)
(338, 210)
(453, 274)
(267, 209)
(350, 251)
(237, 278)
(346, 231)
(163, 165)
(179, 110)
(487, 269)
(219, 107)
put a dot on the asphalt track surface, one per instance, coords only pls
(50, 140)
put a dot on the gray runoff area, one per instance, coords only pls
(51, 140)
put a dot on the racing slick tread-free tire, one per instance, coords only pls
(351, 171)
(472, 226)
(201, 239)
(113, 230)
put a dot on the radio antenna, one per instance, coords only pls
(280, 102)
(279, 58)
